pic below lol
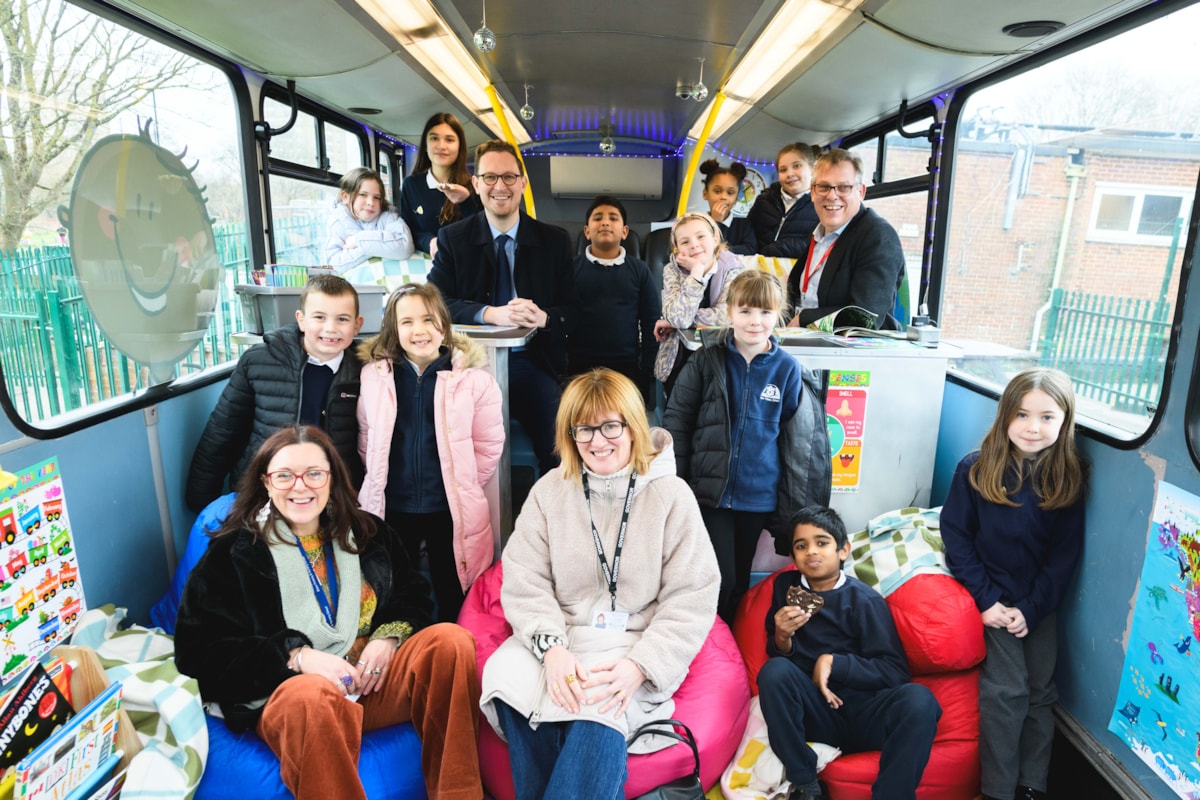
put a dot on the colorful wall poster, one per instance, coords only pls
(1157, 712)
(40, 593)
(845, 417)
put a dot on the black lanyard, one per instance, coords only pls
(610, 575)
(328, 610)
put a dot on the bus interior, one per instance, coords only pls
(1039, 161)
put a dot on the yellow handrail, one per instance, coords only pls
(498, 110)
(694, 162)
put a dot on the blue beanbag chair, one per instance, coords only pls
(164, 612)
(241, 765)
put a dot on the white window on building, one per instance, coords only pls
(1139, 214)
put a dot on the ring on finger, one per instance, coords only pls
(570, 678)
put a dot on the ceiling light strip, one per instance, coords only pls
(419, 29)
(774, 54)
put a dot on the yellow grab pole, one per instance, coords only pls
(694, 163)
(498, 110)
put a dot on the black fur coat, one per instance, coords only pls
(231, 634)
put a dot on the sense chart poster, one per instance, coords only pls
(845, 417)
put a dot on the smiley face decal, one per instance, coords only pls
(143, 248)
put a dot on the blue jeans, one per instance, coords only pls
(580, 760)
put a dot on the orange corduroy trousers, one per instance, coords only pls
(432, 681)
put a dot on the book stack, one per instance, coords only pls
(52, 752)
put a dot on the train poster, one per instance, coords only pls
(1157, 713)
(41, 596)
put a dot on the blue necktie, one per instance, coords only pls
(504, 281)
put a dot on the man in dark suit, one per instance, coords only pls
(855, 258)
(501, 267)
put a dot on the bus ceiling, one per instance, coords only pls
(807, 70)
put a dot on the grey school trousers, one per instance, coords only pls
(1016, 708)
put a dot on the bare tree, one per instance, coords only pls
(65, 74)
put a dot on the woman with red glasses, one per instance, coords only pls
(303, 602)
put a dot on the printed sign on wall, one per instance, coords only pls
(1156, 712)
(40, 593)
(845, 417)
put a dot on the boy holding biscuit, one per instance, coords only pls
(837, 672)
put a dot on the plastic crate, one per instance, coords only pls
(266, 308)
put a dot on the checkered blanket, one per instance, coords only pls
(163, 705)
(896, 546)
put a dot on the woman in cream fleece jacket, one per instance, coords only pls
(603, 630)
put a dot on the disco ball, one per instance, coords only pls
(607, 145)
(485, 40)
(526, 112)
(699, 92)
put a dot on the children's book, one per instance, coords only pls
(34, 710)
(73, 754)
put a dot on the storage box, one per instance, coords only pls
(265, 308)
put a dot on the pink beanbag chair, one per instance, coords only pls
(942, 635)
(713, 701)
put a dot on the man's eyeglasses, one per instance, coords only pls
(842, 189)
(285, 479)
(509, 178)
(609, 430)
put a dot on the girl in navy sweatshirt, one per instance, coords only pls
(1013, 529)
(749, 432)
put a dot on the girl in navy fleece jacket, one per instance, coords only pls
(1013, 529)
(742, 429)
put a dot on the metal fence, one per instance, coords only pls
(1114, 348)
(56, 358)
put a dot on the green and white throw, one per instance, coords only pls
(896, 546)
(163, 704)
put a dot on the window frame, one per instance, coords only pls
(1086, 425)
(301, 172)
(98, 413)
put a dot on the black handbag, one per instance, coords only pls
(685, 788)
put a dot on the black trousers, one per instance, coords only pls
(436, 531)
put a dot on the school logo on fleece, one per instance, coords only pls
(771, 394)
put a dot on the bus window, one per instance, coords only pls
(306, 163)
(118, 250)
(906, 213)
(1073, 187)
(392, 172)
(300, 216)
(299, 144)
(344, 149)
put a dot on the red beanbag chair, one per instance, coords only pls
(714, 701)
(942, 635)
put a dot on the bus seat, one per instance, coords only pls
(657, 253)
(241, 765)
(942, 635)
(713, 701)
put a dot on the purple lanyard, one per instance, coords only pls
(328, 611)
(610, 575)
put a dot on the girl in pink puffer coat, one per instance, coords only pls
(431, 432)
